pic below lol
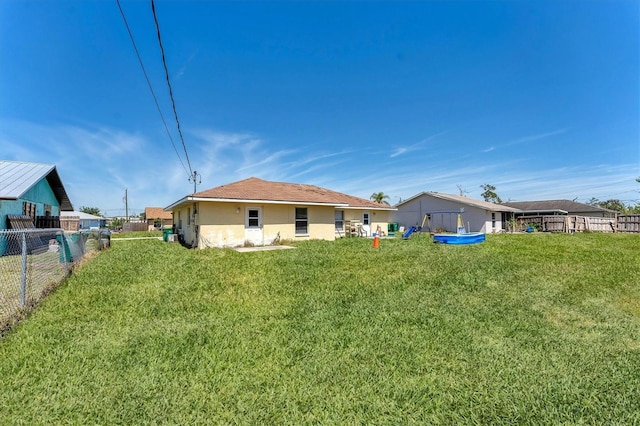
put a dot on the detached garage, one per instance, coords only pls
(442, 211)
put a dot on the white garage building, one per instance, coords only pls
(443, 209)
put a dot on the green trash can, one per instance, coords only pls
(165, 234)
(392, 227)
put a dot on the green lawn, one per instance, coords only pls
(136, 234)
(522, 329)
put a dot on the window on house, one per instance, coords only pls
(365, 219)
(302, 221)
(180, 220)
(340, 220)
(47, 210)
(493, 220)
(253, 218)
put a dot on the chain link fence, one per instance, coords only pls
(33, 262)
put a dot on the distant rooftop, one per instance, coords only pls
(81, 215)
(156, 213)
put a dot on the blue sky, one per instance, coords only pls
(538, 98)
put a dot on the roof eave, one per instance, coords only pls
(58, 189)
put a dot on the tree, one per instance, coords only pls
(379, 197)
(463, 192)
(489, 194)
(116, 223)
(613, 204)
(593, 201)
(90, 210)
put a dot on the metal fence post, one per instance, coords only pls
(23, 276)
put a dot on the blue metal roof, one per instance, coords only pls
(17, 177)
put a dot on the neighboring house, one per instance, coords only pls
(443, 210)
(558, 207)
(256, 211)
(76, 221)
(33, 190)
(157, 218)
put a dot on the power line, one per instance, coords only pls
(155, 99)
(166, 72)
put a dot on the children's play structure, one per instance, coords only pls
(461, 236)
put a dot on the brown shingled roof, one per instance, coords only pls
(156, 213)
(255, 189)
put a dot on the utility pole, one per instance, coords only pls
(126, 204)
(196, 178)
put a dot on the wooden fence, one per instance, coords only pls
(135, 226)
(70, 223)
(572, 223)
(629, 223)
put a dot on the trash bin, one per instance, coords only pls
(165, 234)
(392, 227)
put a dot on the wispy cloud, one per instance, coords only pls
(271, 159)
(416, 146)
(96, 164)
(318, 157)
(400, 151)
(178, 75)
(537, 137)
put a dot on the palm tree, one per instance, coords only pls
(379, 197)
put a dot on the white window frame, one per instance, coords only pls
(339, 219)
(304, 220)
(247, 217)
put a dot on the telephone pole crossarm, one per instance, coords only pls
(196, 178)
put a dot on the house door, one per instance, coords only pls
(253, 225)
(366, 222)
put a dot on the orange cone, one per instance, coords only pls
(376, 242)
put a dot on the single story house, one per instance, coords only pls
(256, 212)
(157, 218)
(558, 207)
(76, 221)
(31, 190)
(443, 210)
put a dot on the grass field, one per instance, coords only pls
(522, 329)
(136, 234)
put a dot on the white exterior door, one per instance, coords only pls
(366, 222)
(253, 225)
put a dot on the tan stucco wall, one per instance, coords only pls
(222, 224)
(322, 223)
